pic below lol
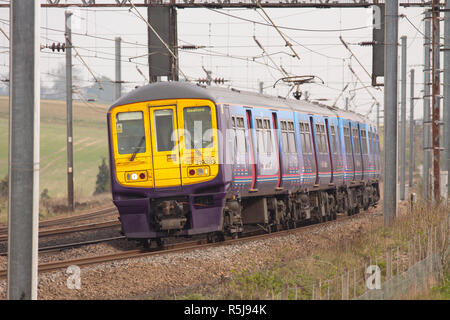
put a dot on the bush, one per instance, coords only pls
(44, 195)
(103, 179)
(4, 187)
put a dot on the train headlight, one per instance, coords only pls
(137, 176)
(194, 172)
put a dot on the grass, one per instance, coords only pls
(90, 146)
(293, 277)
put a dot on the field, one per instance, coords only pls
(90, 145)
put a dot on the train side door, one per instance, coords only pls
(165, 147)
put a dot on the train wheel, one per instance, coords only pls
(146, 243)
(276, 227)
(210, 237)
(159, 242)
(220, 237)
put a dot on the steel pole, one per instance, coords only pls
(68, 34)
(446, 108)
(24, 116)
(426, 125)
(436, 99)
(411, 130)
(403, 123)
(390, 112)
(118, 82)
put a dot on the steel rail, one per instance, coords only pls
(79, 228)
(73, 218)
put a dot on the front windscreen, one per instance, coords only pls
(130, 132)
(197, 127)
(164, 129)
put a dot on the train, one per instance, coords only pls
(187, 159)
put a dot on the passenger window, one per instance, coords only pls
(284, 137)
(163, 120)
(130, 132)
(240, 136)
(333, 139)
(259, 136)
(291, 138)
(268, 136)
(364, 141)
(348, 146)
(324, 140)
(356, 141)
(307, 139)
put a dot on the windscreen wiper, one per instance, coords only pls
(137, 148)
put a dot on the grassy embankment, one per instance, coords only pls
(291, 276)
(90, 145)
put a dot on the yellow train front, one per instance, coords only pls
(164, 161)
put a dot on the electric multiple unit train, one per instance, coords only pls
(188, 159)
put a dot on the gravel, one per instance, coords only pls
(163, 274)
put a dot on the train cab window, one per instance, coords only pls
(198, 127)
(348, 145)
(130, 132)
(163, 120)
(356, 141)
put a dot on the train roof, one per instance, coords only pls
(184, 90)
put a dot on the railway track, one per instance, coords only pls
(70, 219)
(79, 228)
(59, 247)
(172, 248)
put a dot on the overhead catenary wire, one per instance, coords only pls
(279, 68)
(368, 91)
(77, 54)
(290, 28)
(278, 30)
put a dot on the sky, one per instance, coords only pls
(231, 52)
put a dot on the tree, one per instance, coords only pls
(4, 187)
(103, 179)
